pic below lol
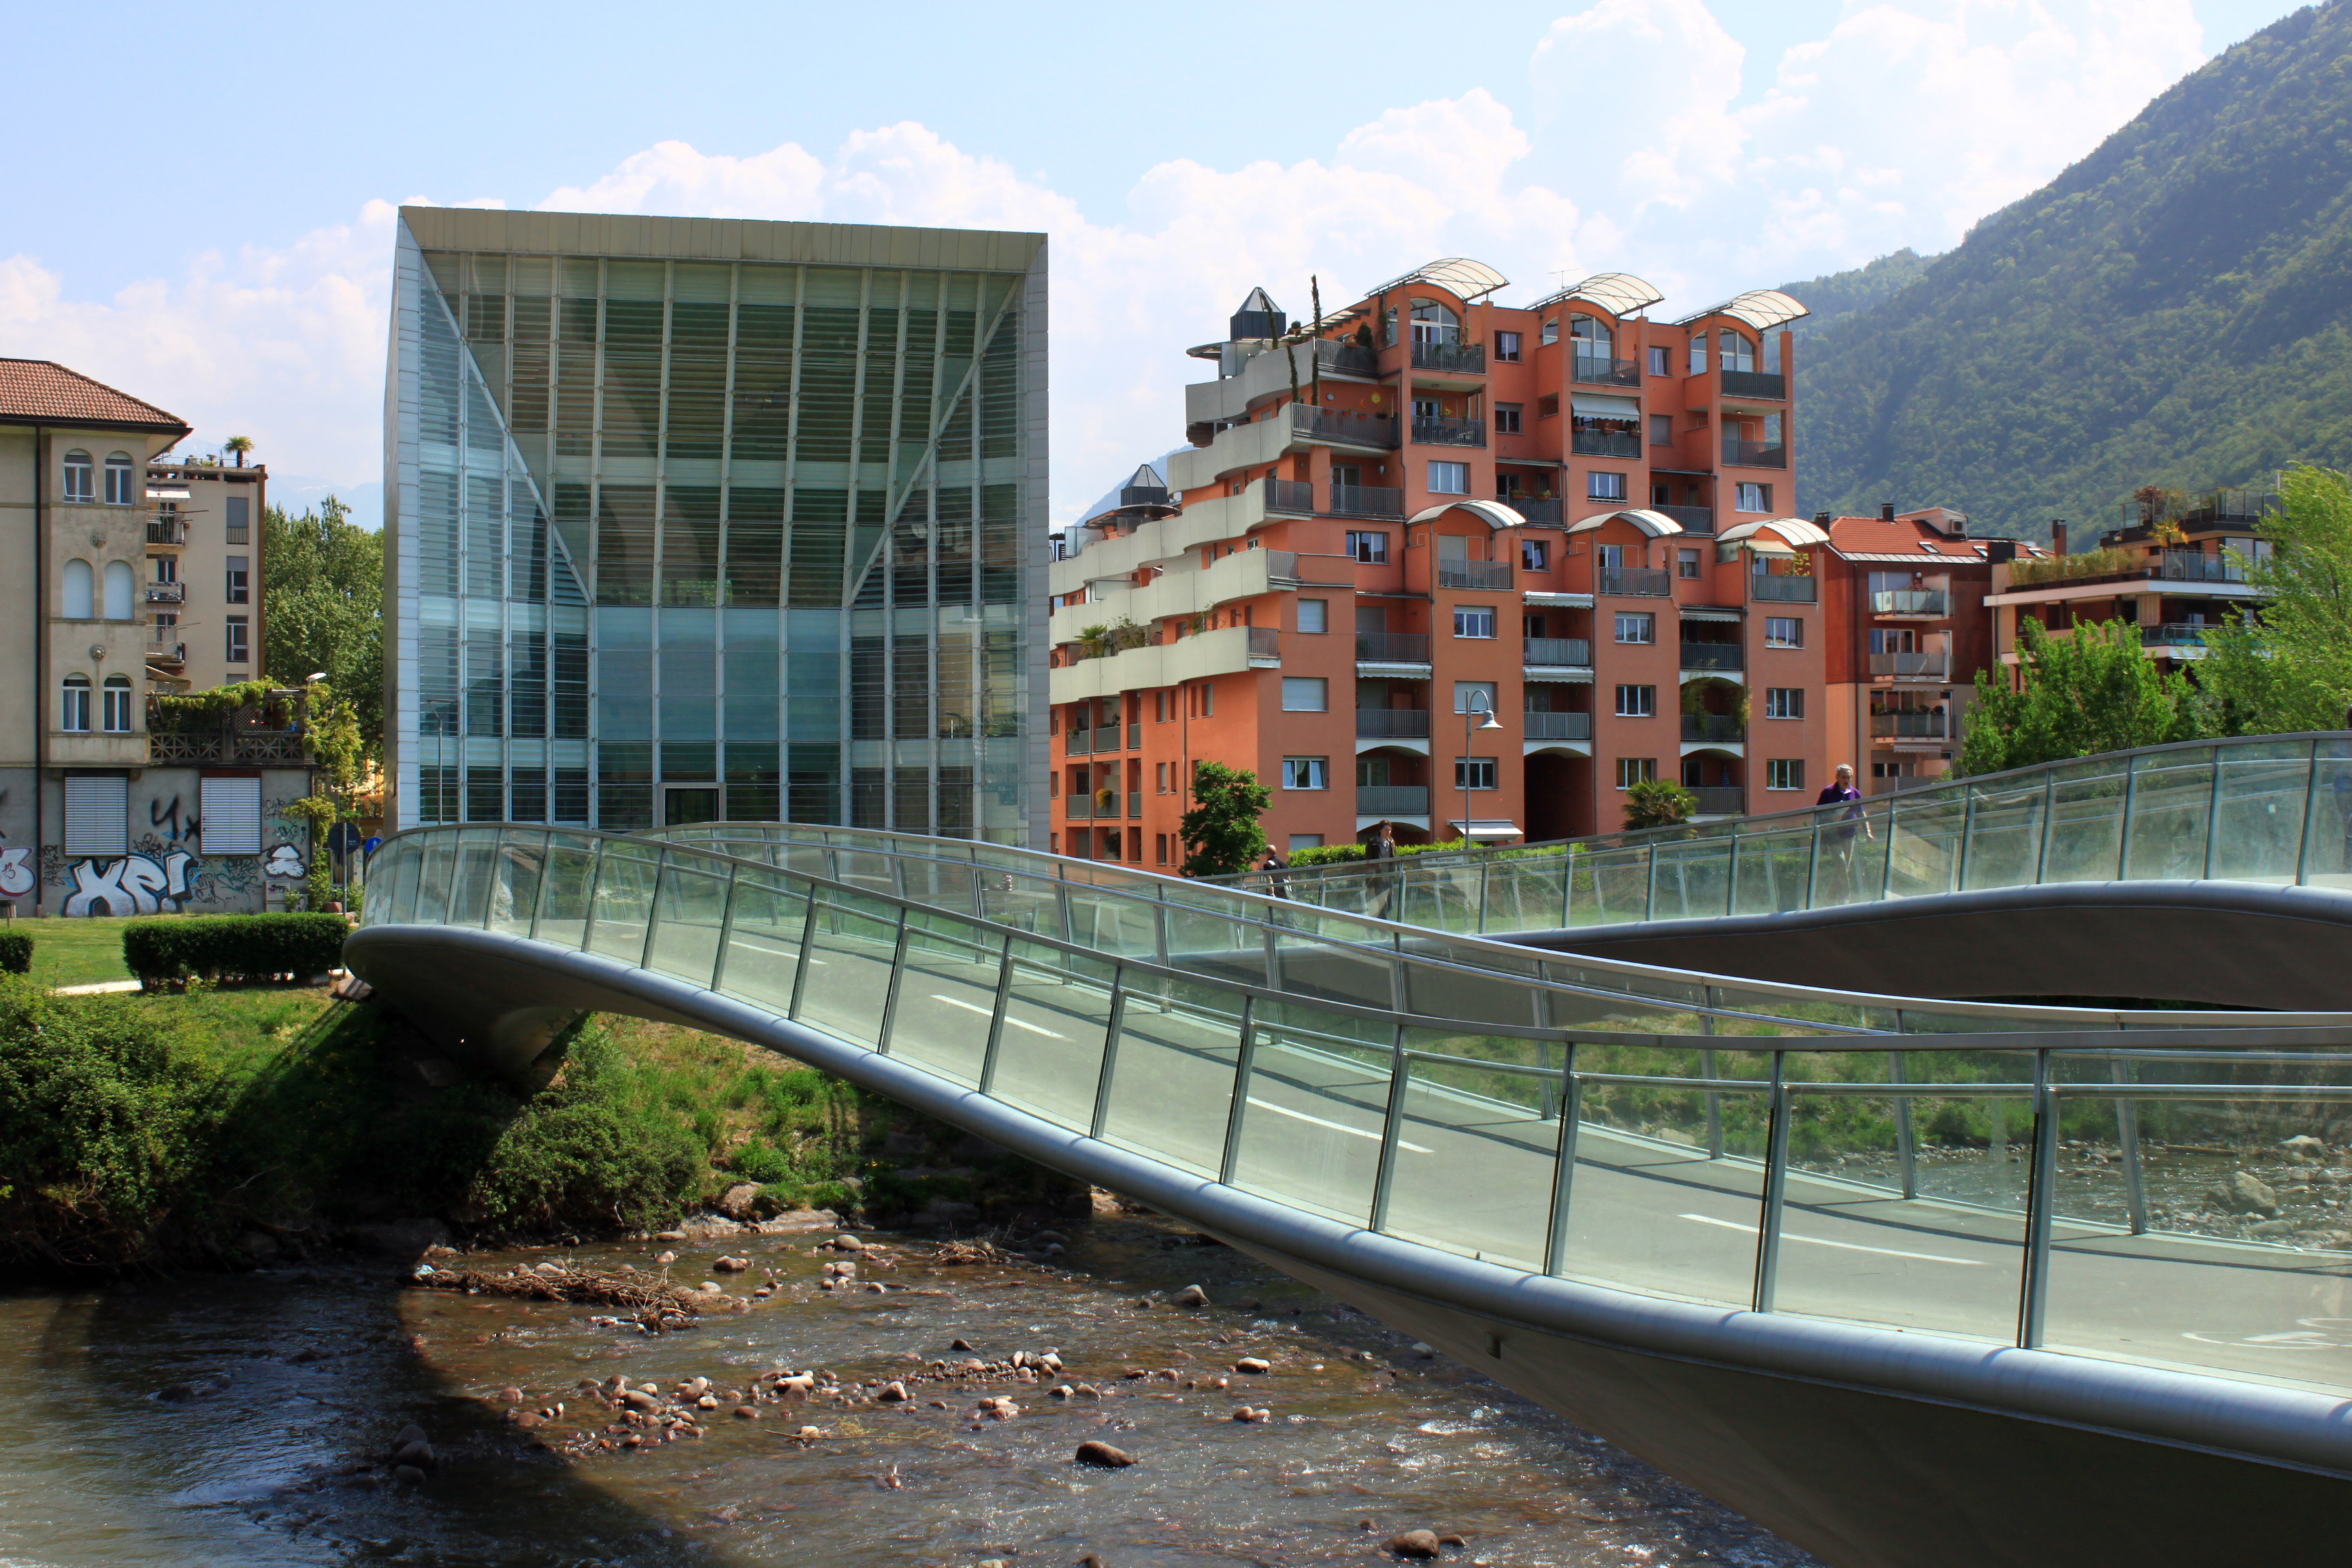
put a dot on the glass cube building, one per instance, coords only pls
(693, 520)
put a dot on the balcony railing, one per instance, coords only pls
(1755, 454)
(1559, 726)
(1714, 729)
(1289, 495)
(1910, 726)
(1135, 737)
(1635, 582)
(1135, 803)
(1911, 666)
(1605, 443)
(1392, 800)
(1392, 723)
(1593, 370)
(2173, 634)
(1756, 384)
(269, 733)
(1911, 602)
(1348, 359)
(1719, 800)
(1264, 642)
(1782, 590)
(1714, 655)
(1694, 518)
(166, 531)
(166, 650)
(1391, 648)
(1573, 653)
(1078, 807)
(2189, 567)
(1450, 432)
(1481, 576)
(1107, 737)
(1079, 742)
(1366, 501)
(1342, 424)
(167, 593)
(1463, 359)
(1543, 511)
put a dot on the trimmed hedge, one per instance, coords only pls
(15, 953)
(233, 947)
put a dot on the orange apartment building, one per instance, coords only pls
(1454, 566)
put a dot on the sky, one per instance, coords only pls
(218, 241)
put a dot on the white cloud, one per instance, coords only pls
(1650, 151)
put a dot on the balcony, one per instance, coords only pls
(1634, 583)
(1264, 642)
(1714, 655)
(1078, 744)
(2173, 634)
(1740, 454)
(1374, 430)
(1782, 590)
(1541, 512)
(165, 647)
(1713, 729)
(1592, 370)
(1756, 384)
(1931, 604)
(1911, 666)
(1719, 800)
(1134, 803)
(1694, 518)
(1347, 359)
(1393, 648)
(1573, 653)
(1479, 575)
(1392, 800)
(1559, 726)
(1107, 737)
(1909, 727)
(2189, 567)
(1450, 432)
(1295, 496)
(1078, 807)
(1392, 723)
(1604, 443)
(1460, 359)
(1366, 501)
(269, 733)
(161, 530)
(167, 593)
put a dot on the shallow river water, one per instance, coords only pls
(284, 1389)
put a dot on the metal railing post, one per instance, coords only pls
(725, 929)
(1886, 872)
(2310, 810)
(2127, 1135)
(653, 909)
(890, 997)
(1242, 1065)
(1650, 890)
(1390, 1129)
(1563, 1176)
(808, 949)
(538, 903)
(1731, 874)
(2041, 1197)
(1968, 840)
(2049, 825)
(1814, 866)
(595, 885)
(1775, 1188)
(1706, 1070)
(2124, 822)
(2213, 815)
(996, 1015)
(1907, 1152)
(1110, 1051)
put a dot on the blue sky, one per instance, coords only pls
(235, 273)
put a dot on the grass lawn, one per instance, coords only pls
(75, 952)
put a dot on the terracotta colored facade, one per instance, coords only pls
(1427, 507)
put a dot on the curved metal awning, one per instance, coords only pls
(1493, 512)
(1790, 530)
(1466, 278)
(1656, 524)
(1619, 293)
(1762, 308)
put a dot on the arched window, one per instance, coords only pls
(117, 717)
(79, 484)
(75, 713)
(79, 584)
(1738, 351)
(1699, 353)
(1435, 321)
(118, 478)
(119, 590)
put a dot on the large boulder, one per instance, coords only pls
(2243, 1193)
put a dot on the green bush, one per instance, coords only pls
(15, 953)
(233, 947)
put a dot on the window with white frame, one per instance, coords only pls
(1784, 703)
(240, 639)
(1637, 702)
(1660, 363)
(239, 586)
(1314, 615)
(1748, 496)
(1475, 773)
(81, 480)
(1784, 772)
(1507, 347)
(74, 713)
(1783, 631)
(1636, 626)
(1305, 694)
(1699, 353)
(1367, 546)
(1686, 562)
(1604, 487)
(1632, 770)
(1473, 620)
(80, 592)
(1449, 479)
(114, 716)
(1473, 697)
(1307, 772)
(118, 478)
(1552, 331)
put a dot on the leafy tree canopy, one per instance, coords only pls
(1657, 802)
(2092, 690)
(323, 580)
(2291, 669)
(1221, 833)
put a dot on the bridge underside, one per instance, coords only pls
(2223, 944)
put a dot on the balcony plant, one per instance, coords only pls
(1658, 803)
(1105, 798)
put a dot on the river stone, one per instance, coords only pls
(740, 1201)
(1192, 1296)
(1415, 1544)
(2243, 1193)
(409, 1474)
(1253, 1365)
(1104, 1455)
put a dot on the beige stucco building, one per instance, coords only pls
(200, 588)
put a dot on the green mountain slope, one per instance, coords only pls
(2177, 308)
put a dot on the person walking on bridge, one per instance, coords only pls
(1837, 838)
(1382, 888)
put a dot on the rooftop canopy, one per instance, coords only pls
(1619, 293)
(1467, 278)
(1656, 524)
(1788, 530)
(1493, 513)
(1762, 308)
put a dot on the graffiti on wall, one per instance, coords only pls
(134, 885)
(15, 872)
(164, 818)
(162, 873)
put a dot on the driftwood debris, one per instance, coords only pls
(654, 1303)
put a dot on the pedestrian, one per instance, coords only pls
(1382, 848)
(1838, 838)
(1278, 881)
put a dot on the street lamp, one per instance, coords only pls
(1473, 704)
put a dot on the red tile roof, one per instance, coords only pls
(1903, 536)
(39, 389)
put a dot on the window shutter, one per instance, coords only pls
(98, 814)
(229, 815)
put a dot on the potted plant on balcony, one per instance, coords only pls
(1091, 640)
(1658, 803)
(1106, 799)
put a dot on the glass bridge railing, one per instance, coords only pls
(2268, 809)
(2157, 1195)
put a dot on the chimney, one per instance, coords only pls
(1820, 519)
(2058, 536)
(1886, 511)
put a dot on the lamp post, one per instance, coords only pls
(1473, 704)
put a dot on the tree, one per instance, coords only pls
(237, 447)
(1221, 833)
(2079, 695)
(322, 578)
(2290, 665)
(1657, 802)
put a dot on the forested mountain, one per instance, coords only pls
(2177, 308)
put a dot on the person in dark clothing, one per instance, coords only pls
(1383, 886)
(1277, 884)
(1838, 837)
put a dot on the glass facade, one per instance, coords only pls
(681, 538)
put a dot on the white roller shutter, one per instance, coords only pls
(229, 812)
(98, 814)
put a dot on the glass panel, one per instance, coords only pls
(571, 877)
(514, 889)
(438, 860)
(1773, 870)
(849, 965)
(1442, 894)
(1694, 880)
(2005, 836)
(1200, 941)
(408, 866)
(625, 897)
(2086, 826)
(763, 941)
(2258, 834)
(1056, 1016)
(1172, 1075)
(1523, 892)
(2327, 853)
(946, 995)
(692, 908)
(477, 859)
(1934, 1241)
(1313, 1110)
(1109, 923)
(1853, 868)
(2172, 792)
(1923, 845)
(1478, 1148)
(1610, 887)
(2246, 1267)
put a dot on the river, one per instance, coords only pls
(246, 1419)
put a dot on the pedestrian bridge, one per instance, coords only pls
(1912, 1281)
